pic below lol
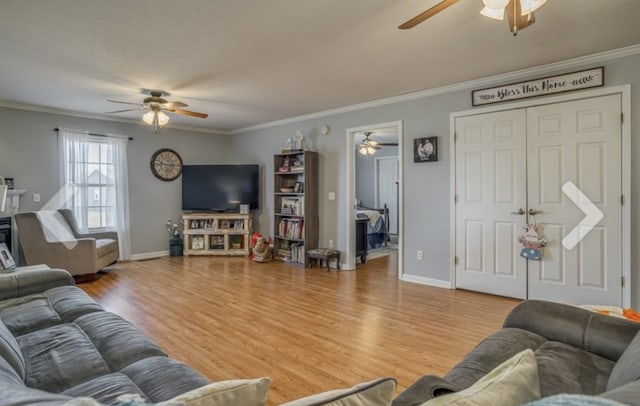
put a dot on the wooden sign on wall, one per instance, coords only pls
(539, 87)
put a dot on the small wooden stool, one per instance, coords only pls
(325, 254)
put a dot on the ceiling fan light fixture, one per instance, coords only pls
(494, 13)
(163, 119)
(529, 6)
(148, 117)
(494, 9)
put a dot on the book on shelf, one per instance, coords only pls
(292, 205)
(291, 228)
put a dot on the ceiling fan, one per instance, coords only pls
(156, 106)
(519, 12)
(369, 146)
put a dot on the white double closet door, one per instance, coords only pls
(512, 163)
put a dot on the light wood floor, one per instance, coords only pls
(309, 330)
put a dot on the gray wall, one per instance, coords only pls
(366, 175)
(426, 210)
(29, 154)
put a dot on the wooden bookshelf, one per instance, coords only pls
(216, 233)
(295, 205)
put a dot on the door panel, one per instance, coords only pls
(490, 184)
(522, 159)
(578, 141)
(387, 187)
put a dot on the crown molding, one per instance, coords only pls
(93, 116)
(476, 83)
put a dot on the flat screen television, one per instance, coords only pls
(220, 188)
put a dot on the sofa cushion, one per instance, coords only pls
(245, 392)
(20, 395)
(106, 388)
(378, 392)
(105, 246)
(117, 341)
(10, 351)
(60, 357)
(30, 313)
(627, 368)
(490, 353)
(162, 378)
(564, 368)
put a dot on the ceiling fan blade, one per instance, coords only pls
(388, 144)
(121, 102)
(518, 22)
(120, 111)
(189, 113)
(173, 105)
(426, 14)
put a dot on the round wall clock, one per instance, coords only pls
(166, 164)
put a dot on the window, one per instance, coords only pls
(99, 186)
(95, 184)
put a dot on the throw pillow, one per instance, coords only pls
(513, 382)
(246, 392)
(374, 393)
(627, 368)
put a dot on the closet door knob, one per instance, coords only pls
(520, 212)
(533, 212)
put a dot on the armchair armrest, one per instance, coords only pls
(71, 220)
(99, 235)
(425, 388)
(603, 335)
(628, 394)
(33, 281)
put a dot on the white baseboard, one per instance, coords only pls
(149, 255)
(426, 281)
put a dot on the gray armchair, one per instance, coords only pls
(53, 238)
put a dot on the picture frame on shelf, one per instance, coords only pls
(6, 259)
(9, 183)
(298, 187)
(425, 149)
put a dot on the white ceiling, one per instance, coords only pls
(248, 62)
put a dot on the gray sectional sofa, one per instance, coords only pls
(576, 351)
(57, 344)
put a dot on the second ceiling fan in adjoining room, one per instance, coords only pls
(519, 12)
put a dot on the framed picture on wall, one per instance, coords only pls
(425, 149)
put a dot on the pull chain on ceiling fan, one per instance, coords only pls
(157, 106)
(519, 12)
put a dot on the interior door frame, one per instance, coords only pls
(624, 91)
(350, 201)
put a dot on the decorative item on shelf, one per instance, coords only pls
(298, 187)
(7, 261)
(286, 189)
(175, 241)
(244, 209)
(298, 140)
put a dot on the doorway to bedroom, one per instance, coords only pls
(374, 193)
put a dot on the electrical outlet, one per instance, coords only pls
(330, 243)
(419, 255)
(36, 197)
(332, 196)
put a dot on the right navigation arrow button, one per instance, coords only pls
(593, 215)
